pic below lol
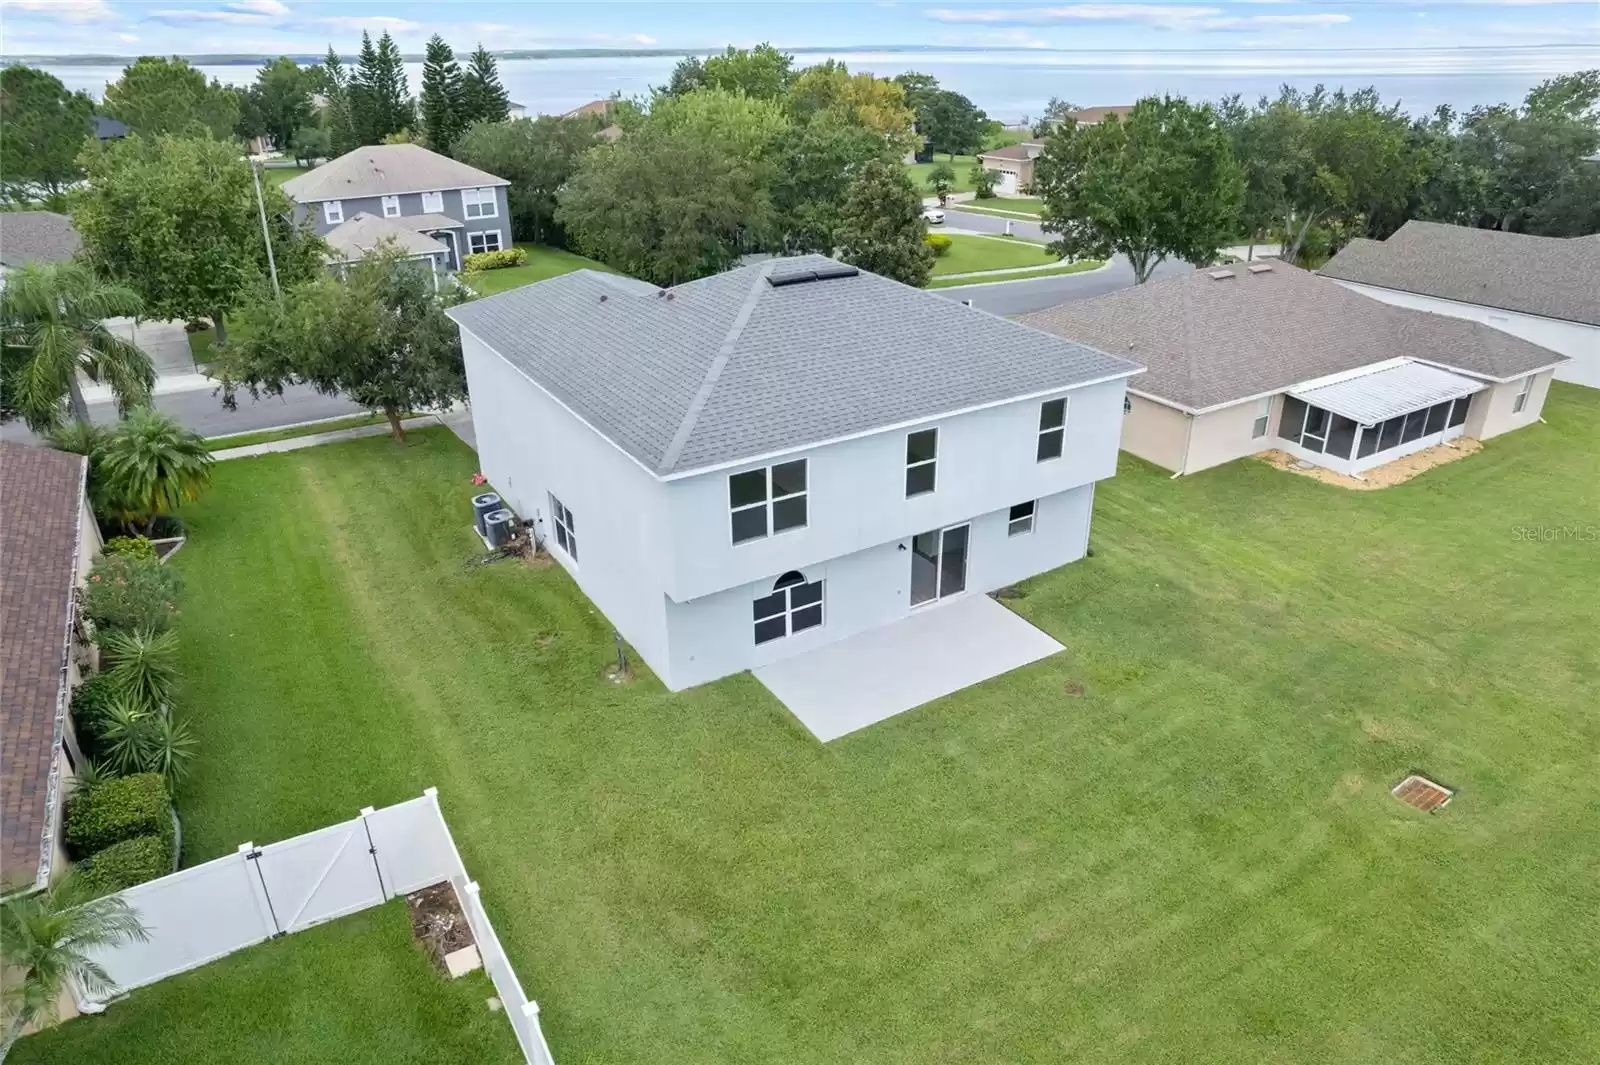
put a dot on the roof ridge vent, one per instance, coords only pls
(1221, 275)
(1261, 268)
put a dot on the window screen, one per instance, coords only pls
(1458, 413)
(1292, 420)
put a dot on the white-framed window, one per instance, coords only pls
(1052, 429)
(488, 240)
(922, 462)
(1521, 402)
(795, 605)
(333, 211)
(478, 203)
(1258, 427)
(433, 203)
(1127, 403)
(1020, 518)
(767, 501)
(566, 528)
(391, 207)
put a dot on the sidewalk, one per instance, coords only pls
(165, 385)
(1000, 273)
(295, 443)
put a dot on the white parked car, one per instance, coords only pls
(933, 216)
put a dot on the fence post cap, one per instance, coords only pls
(368, 811)
(245, 848)
(472, 887)
(530, 1009)
(432, 793)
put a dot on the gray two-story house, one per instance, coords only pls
(433, 206)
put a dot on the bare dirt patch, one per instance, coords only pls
(1386, 476)
(438, 922)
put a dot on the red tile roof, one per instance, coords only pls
(41, 494)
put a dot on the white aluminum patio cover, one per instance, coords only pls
(1372, 397)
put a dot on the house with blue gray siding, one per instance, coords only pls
(411, 191)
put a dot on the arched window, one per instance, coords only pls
(794, 606)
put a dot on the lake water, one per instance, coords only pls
(1011, 84)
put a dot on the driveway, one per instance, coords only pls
(167, 343)
(863, 679)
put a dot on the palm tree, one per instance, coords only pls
(51, 323)
(151, 465)
(48, 937)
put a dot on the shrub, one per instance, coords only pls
(166, 526)
(122, 865)
(983, 182)
(131, 593)
(495, 260)
(132, 546)
(89, 704)
(135, 738)
(143, 665)
(117, 810)
(938, 242)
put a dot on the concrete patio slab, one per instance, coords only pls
(874, 675)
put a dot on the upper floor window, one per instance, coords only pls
(1052, 428)
(1518, 404)
(478, 203)
(1263, 413)
(433, 203)
(566, 527)
(333, 212)
(768, 500)
(922, 461)
(391, 207)
(794, 606)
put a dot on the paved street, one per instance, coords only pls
(204, 413)
(988, 223)
(1021, 297)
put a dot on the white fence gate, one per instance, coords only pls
(201, 914)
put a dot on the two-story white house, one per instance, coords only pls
(753, 465)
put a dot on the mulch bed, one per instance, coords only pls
(438, 922)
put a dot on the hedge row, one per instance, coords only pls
(122, 865)
(495, 260)
(118, 810)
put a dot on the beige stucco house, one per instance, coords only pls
(1014, 164)
(1252, 357)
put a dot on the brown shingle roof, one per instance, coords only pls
(41, 494)
(1021, 152)
(1213, 342)
(1088, 116)
(1553, 277)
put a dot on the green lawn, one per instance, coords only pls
(277, 175)
(267, 436)
(1078, 267)
(968, 254)
(1004, 205)
(356, 991)
(1172, 842)
(542, 262)
(961, 164)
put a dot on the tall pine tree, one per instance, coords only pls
(379, 98)
(441, 95)
(483, 99)
(337, 116)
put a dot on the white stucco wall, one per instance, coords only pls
(714, 635)
(529, 445)
(1491, 412)
(1580, 343)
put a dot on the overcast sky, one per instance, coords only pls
(271, 26)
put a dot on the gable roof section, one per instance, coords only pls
(40, 499)
(385, 170)
(1018, 152)
(37, 237)
(1210, 342)
(357, 236)
(731, 367)
(1553, 277)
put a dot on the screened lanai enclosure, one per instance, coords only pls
(1363, 421)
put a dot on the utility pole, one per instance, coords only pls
(266, 234)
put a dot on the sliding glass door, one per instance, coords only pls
(938, 564)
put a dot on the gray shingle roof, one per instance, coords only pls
(1208, 342)
(730, 367)
(356, 236)
(1553, 277)
(385, 170)
(37, 237)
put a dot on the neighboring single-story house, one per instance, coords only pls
(757, 464)
(1014, 164)
(597, 108)
(36, 237)
(1543, 289)
(516, 110)
(48, 539)
(459, 206)
(1265, 355)
(1093, 116)
(355, 238)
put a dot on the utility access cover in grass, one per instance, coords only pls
(1422, 793)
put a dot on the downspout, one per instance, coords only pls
(1188, 435)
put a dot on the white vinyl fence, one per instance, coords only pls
(201, 914)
